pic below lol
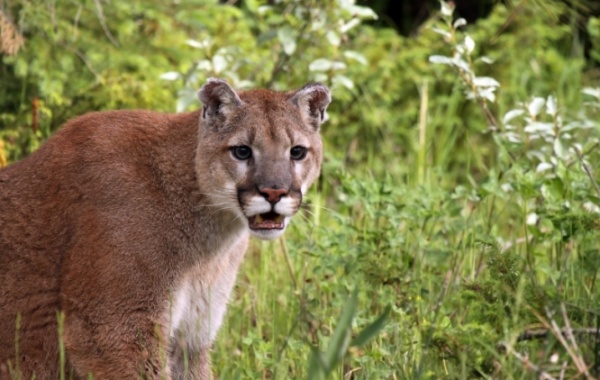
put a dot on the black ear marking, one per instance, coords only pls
(313, 100)
(218, 98)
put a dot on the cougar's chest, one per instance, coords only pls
(199, 299)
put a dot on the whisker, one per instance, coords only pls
(307, 207)
(233, 220)
(325, 208)
(215, 212)
(226, 190)
(215, 205)
(212, 209)
(307, 210)
(220, 196)
(306, 219)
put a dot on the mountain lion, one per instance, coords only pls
(125, 230)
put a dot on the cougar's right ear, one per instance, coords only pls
(218, 99)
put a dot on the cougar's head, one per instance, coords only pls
(259, 151)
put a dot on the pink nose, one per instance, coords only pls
(272, 195)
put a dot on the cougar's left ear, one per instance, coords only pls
(218, 99)
(313, 100)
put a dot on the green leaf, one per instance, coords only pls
(252, 5)
(469, 44)
(198, 44)
(320, 64)
(446, 8)
(511, 115)
(543, 166)
(185, 99)
(356, 56)
(551, 108)
(21, 68)
(316, 365)
(171, 75)
(263, 9)
(362, 12)
(343, 81)
(444, 33)
(595, 92)
(219, 63)
(338, 345)
(459, 22)
(535, 106)
(333, 38)
(556, 187)
(441, 59)
(485, 82)
(372, 330)
(287, 38)
(349, 25)
(266, 36)
(559, 148)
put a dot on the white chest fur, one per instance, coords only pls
(199, 301)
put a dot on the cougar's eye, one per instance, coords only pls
(298, 152)
(241, 152)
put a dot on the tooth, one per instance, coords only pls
(279, 218)
(259, 219)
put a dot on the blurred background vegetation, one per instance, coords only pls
(475, 219)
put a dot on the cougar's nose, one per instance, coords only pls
(272, 195)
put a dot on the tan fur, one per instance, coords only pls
(123, 219)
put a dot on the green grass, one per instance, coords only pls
(447, 249)
(457, 297)
(487, 263)
(483, 260)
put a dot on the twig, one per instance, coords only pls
(543, 333)
(102, 20)
(596, 368)
(528, 364)
(283, 58)
(87, 62)
(557, 332)
(577, 359)
(583, 154)
(563, 369)
(513, 14)
(587, 171)
(552, 326)
(508, 245)
(289, 263)
(423, 131)
(486, 111)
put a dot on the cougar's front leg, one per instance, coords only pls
(112, 322)
(190, 365)
(135, 353)
(201, 301)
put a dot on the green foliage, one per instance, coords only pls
(322, 364)
(464, 195)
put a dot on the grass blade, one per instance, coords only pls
(372, 330)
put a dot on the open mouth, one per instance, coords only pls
(267, 221)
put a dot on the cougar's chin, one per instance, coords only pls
(267, 234)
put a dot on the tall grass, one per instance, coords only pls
(488, 260)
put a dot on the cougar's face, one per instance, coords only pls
(272, 164)
(269, 153)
